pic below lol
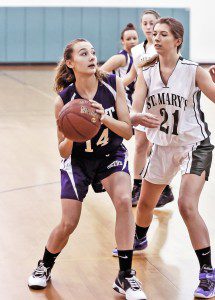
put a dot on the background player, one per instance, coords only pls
(121, 63)
(171, 87)
(103, 157)
(140, 53)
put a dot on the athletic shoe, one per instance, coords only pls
(139, 244)
(39, 278)
(127, 284)
(206, 287)
(135, 194)
(166, 197)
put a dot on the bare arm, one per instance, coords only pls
(114, 63)
(122, 126)
(64, 144)
(140, 93)
(130, 76)
(205, 83)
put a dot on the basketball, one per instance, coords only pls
(78, 121)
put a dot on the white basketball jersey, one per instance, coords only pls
(139, 53)
(177, 105)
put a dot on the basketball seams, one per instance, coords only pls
(78, 120)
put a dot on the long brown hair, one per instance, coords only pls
(177, 31)
(65, 75)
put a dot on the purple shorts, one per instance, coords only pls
(77, 173)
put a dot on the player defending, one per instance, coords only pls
(171, 88)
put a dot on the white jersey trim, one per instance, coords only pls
(197, 111)
(113, 92)
(73, 96)
(66, 165)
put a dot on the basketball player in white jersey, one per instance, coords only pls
(171, 88)
(141, 53)
(121, 63)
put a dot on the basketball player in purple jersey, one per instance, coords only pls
(121, 63)
(171, 86)
(102, 158)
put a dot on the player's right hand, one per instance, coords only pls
(145, 119)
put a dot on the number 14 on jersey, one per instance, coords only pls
(103, 140)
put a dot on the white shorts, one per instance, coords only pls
(165, 161)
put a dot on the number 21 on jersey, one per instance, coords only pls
(103, 140)
(164, 114)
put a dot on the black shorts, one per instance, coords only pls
(201, 159)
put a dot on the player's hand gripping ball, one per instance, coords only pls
(79, 121)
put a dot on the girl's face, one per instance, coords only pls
(130, 39)
(83, 59)
(163, 39)
(147, 25)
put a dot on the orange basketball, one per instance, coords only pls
(78, 120)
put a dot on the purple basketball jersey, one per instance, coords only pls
(106, 141)
(129, 62)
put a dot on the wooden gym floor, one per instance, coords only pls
(30, 208)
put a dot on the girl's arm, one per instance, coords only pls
(130, 76)
(205, 83)
(114, 63)
(64, 144)
(139, 96)
(122, 126)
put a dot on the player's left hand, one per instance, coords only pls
(145, 119)
(99, 109)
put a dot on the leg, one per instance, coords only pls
(118, 186)
(157, 174)
(149, 196)
(71, 210)
(74, 187)
(142, 147)
(190, 190)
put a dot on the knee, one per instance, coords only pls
(144, 205)
(68, 227)
(187, 209)
(123, 203)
